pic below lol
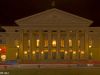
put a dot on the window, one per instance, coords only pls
(54, 38)
(37, 42)
(70, 43)
(36, 37)
(29, 43)
(2, 41)
(78, 43)
(45, 31)
(45, 43)
(62, 43)
(54, 31)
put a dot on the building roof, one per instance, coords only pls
(54, 17)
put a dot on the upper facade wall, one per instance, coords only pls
(53, 18)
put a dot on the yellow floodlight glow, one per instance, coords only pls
(90, 46)
(46, 43)
(54, 43)
(17, 46)
(70, 43)
(37, 42)
(3, 57)
(25, 52)
(74, 52)
(82, 52)
(42, 52)
(90, 43)
(66, 52)
(33, 52)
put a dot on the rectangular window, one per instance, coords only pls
(45, 43)
(2, 41)
(29, 43)
(70, 43)
(36, 37)
(45, 38)
(37, 43)
(78, 43)
(53, 38)
(62, 43)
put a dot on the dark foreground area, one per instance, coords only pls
(68, 71)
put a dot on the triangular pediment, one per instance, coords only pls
(54, 17)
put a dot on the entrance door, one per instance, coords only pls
(61, 55)
(46, 55)
(53, 55)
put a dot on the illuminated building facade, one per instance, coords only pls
(51, 36)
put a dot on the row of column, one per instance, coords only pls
(78, 50)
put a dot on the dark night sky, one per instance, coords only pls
(11, 10)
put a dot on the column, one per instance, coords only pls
(66, 47)
(30, 45)
(86, 45)
(49, 48)
(41, 45)
(58, 45)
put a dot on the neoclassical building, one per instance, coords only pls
(51, 36)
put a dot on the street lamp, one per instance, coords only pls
(25, 52)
